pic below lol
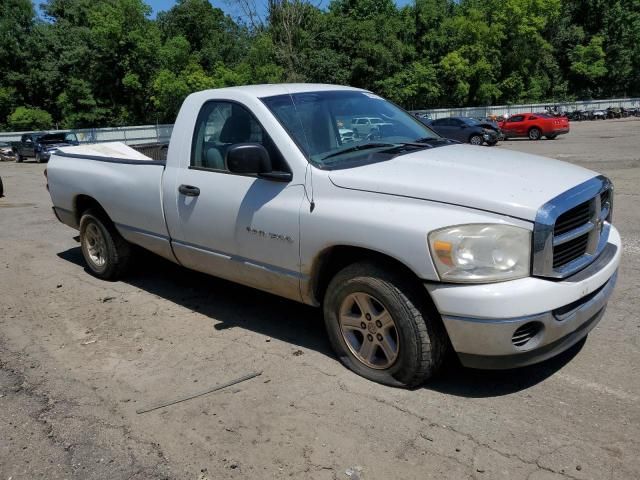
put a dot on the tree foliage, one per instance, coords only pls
(24, 118)
(82, 63)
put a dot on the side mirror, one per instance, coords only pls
(248, 158)
(253, 158)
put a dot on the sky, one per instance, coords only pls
(227, 5)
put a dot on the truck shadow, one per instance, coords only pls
(471, 383)
(227, 304)
(234, 306)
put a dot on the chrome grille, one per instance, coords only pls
(572, 229)
(573, 218)
(563, 254)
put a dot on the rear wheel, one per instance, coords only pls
(535, 134)
(107, 254)
(381, 326)
(19, 158)
(1, 189)
(475, 140)
(552, 137)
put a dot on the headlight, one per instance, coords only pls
(479, 253)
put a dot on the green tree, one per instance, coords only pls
(588, 64)
(414, 87)
(170, 89)
(213, 36)
(78, 107)
(25, 118)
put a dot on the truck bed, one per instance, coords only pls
(129, 187)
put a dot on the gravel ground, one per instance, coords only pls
(78, 356)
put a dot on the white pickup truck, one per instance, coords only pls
(412, 244)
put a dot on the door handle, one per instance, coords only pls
(189, 190)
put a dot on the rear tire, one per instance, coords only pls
(535, 134)
(1, 189)
(19, 158)
(107, 254)
(552, 137)
(382, 327)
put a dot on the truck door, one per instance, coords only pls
(239, 227)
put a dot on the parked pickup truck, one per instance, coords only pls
(412, 244)
(39, 145)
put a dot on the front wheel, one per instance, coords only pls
(107, 254)
(476, 140)
(19, 158)
(382, 327)
(535, 134)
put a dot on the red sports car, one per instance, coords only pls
(534, 126)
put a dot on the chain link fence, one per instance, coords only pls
(499, 110)
(135, 135)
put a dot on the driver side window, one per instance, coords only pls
(219, 126)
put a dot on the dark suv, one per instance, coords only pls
(463, 129)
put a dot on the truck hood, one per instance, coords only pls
(491, 179)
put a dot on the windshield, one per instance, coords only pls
(314, 121)
(470, 121)
(62, 137)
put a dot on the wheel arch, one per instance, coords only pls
(82, 203)
(333, 259)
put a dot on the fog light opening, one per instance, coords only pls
(528, 335)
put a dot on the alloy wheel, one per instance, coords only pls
(369, 331)
(96, 245)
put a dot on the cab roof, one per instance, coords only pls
(268, 90)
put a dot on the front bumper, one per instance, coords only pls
(481, 320)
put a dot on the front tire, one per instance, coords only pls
(107, 254)
(535, 134)
(476, 140)
(19, 158)
(381, 326)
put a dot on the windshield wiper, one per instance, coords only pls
(355, 148)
